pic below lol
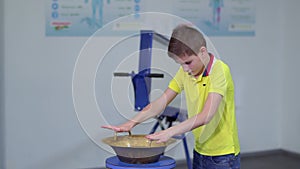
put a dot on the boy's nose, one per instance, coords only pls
(185, 68)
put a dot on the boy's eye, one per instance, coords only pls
(187, 63)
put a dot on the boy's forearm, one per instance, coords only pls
(187, 125)
(200, 119)
(151, 110)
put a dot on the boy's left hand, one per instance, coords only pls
(160, 137)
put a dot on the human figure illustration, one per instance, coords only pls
(97, 6)
(216, 6)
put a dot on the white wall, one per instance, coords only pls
(2, 85)
(290, 137)
(41, 128)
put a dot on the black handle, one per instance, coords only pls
(155, 75)
(151, 75)
(121, 74)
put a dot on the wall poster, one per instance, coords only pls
(85, 17)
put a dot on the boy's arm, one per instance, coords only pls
(204, 117)
(151, 110)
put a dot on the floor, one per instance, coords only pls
(276, 159)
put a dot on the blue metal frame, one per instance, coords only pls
(141, 80)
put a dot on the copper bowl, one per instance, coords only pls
(137, 149)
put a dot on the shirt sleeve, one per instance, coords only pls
(218, 78)
(176, 84)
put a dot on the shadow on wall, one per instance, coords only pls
(2, 124)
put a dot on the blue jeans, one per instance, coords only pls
(229, 161)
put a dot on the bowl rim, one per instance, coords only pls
(113, 139)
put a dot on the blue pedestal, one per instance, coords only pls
(163, 163)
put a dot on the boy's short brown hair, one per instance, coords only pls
(185, 40)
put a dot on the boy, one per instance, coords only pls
(209, 92)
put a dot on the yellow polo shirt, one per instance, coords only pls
(220, 135)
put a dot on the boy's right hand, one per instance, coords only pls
(126, 127)
(114, 128)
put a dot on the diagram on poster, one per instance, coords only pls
(85, 17)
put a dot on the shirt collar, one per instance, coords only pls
(208, 68)
(209, 65)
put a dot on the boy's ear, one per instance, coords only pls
(203, 49)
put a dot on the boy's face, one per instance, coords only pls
(191, 64)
